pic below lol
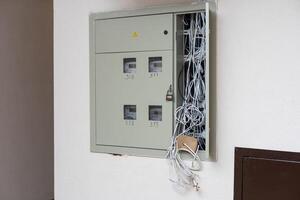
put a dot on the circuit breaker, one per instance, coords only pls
(134, 64)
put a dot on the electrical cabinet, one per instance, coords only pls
(134, 64)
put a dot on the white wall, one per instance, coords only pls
(258, 97)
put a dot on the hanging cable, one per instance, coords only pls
(190, 116)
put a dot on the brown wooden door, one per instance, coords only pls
(267, 175)
(270, 179)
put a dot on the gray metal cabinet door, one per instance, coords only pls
(141, 33)
(143, 91)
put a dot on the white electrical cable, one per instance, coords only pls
(190, 116)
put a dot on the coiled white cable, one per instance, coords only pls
(190, 116)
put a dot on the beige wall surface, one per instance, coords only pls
(26, 100)
(256, 101)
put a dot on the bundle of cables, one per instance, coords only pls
(190, 115)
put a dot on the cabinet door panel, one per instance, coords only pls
(142, 33)
(125, 94)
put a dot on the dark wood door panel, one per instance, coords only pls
(266, 175)
(265, 179)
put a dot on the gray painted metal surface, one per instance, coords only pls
(143, 33)
(115, 89)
